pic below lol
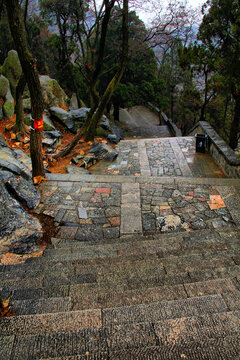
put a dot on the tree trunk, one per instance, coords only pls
(20, 125)
(91, 129)
(96, 113)
(28, 63)
(233, 137)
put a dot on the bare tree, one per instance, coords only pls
(176, 21)
(97, 112)
(28, 63)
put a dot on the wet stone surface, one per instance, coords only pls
(162, 159)
(166, 208)
(84, 211)
(127, 162)
(201, 164)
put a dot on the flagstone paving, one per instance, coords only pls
(160, 157)
(183, 208)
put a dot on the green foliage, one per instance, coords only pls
(139, 84)
(220, 32)
(6, 41)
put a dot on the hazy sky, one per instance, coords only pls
(147, 16)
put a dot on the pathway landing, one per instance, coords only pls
(170, 157)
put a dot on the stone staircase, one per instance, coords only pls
(119, 281)
(162, 296)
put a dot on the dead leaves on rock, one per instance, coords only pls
(38, 180)
(6, 309)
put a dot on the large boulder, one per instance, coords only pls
(7, 101)
(79, 117)
(63, 116)
(9, 162)
(8, 106)
(53, 94)
(52, 138)
(19, 232)
(12, 70)
(4, 86)
(23, 190)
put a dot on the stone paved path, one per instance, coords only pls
(141, 267)
(107, 207)
(160, 157)
(142, 123)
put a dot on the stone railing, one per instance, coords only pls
(172, 127)
(220, 151)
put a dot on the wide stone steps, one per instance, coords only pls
(88, 298)
(156, 297)
(97, 318)
(122, 272)
(219, 349)
(166, 336)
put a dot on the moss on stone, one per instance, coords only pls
(12, 70)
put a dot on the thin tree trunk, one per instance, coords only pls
(96, 113)
(225, 111)
(28, 63)
(115, 80)
(20, 125)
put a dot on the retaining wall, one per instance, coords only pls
(220, 151)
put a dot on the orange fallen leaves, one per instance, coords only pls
(6, 309)
(14, 259)
(38, 179)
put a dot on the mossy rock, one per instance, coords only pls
(8, 106)
(100, 132)
(4, 86)
(53, 94)
(12, 70)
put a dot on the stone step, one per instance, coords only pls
(162, 245)
(152, 270)
(101, 287)
(54, 178)
(214, 349)
(149, 271)
(97, 318)
(41, 306)
(79, 256)
(201, 335)
(181, 243)
(85, 297)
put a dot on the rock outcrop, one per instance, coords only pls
(53, 94)
(12, 70)
(6, 99)
(19, 231)
(73, 120)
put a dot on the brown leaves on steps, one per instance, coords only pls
(6, 309)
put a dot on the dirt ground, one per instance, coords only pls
(55, 166)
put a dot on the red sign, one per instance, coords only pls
(38, 124)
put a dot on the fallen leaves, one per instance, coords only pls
(6, 309)
(38, 180)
